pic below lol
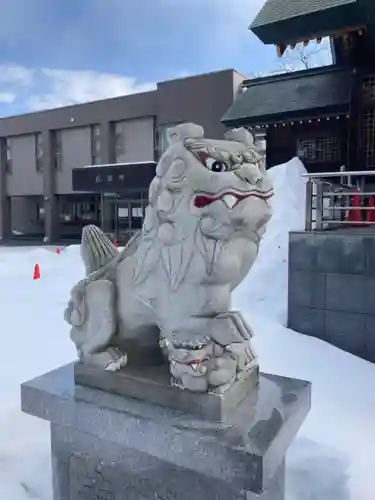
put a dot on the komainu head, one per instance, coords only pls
(220, 186)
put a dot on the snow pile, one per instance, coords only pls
(288, 205)
(333, 455)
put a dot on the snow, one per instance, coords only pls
(271, 266)
(332, 457)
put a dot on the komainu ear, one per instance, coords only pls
(184, 131)
(240, 135)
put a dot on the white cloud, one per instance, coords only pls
(7, 97)
(35, 89)
(13, 74)
(64, 87)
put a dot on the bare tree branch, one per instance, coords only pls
(306, 56)
(299, 58)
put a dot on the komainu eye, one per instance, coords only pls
(215, 165)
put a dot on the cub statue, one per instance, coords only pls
(171, 285)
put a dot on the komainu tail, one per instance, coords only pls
(96, 249)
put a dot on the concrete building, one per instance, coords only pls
(38, 151)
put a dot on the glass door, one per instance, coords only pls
(123, 220)
(136, 215)
(124, 216)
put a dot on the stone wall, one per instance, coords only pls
(332, 288)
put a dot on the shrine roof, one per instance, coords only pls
(290, 96)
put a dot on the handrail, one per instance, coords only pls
(339, 174)
(329, 205)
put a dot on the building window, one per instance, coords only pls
(8, 155)
(156, 143)
(119, 140)
(79, 212)
(368, 88)
(41, 212)
(39, 151)
(123, 212)
(368, 138)
(319, 149)
(137, 212)
(161, 135)
(95, 144)
(57, 149)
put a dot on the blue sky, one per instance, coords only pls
(57, 52)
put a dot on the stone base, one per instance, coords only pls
(152, 384)
(96, 475)
(108, 447)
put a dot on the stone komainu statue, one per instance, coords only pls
(208, 209)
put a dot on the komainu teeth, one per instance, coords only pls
(203, 369)
(229, 201)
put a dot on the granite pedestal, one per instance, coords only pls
(111, 447)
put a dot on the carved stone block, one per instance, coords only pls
(153, 384)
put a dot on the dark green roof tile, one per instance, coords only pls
(291, 95)
(280, 10)
(287, 21)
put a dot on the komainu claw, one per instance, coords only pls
(117, 364)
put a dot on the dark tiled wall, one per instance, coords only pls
(332, 289)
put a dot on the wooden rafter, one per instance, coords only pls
(281, 48)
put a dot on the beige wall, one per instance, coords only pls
(24, 178)
(201, 99)
(237, 84)
(138, 140)
(75, 152)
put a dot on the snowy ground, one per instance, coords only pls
(333, 455)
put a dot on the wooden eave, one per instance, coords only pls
(360, 30)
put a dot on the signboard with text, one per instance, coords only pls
(114, 178)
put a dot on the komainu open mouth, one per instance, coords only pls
(229, 198)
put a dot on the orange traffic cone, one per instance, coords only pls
(371, 213)
(356, 214)
(36, 275)
(58, 251)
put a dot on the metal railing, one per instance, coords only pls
(329, 203)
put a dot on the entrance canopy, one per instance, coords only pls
(114, 177)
